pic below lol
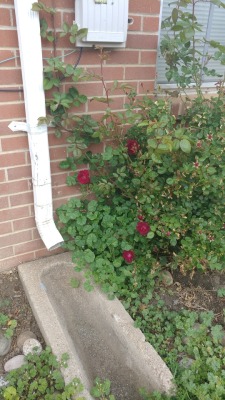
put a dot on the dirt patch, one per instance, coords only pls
(13, 303)
(197, 292)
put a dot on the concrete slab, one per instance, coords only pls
(98, 334)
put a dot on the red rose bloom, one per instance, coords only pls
(140, 217)
(143, 228)
(83, 177)
(132, 146)
(128, 255)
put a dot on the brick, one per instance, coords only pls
(14, 187)
(148, 42)
(63, 16)
(10, 159)
(7, 1)
(68, 17)
(15, 143)
(89, 57)
(136, 23)
(23, 224)
(109, 73)
(64, 42)
(151, 24)
(146, 87)
(58, 153)
(59, 179)
(21, 199)
(4, 203)
(11, 77)
(124, 57)
(14, 213)
(13, 17)
(47, 253)
(88, 88)
(35, 235)
(5, 17)
(97, 148)
(7, 54)
(12, 111)
(12, 262)
(55, 167)
(28, 246)
(2, 175)
(144, 6)
(140, 73)
(19, 173)
(6, 252)
(9, 38)
(58, 20)
(5, 227)
(68, 4)
(6, 97)
(116, 104)
(148, 57)
(55, 141)
(18, 237)
(4, 130)
(65, 191)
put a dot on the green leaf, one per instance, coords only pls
(36, 7)
(170, 181)
(152, 143)
(65, 27)
(89, 256)
(185, 146)
(75, 283)
(72, 39)
(174, 15)
(108, 154)
(92, 205)
(91, 239)
(48, 84)
(211, 170)
(69, 69)
(150, 235)
(82, 33)
(156, 158)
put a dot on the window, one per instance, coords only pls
(212, 19)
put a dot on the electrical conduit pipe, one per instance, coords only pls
(28, 29)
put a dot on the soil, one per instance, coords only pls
(13, 303)
(197, 292)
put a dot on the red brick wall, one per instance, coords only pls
(19, 239)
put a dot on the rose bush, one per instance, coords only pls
(159, 192)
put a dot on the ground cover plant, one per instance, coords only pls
(7, 325)
(41, 378)
(153, 200)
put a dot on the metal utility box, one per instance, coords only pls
(106, 21)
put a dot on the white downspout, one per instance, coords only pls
(28, 29)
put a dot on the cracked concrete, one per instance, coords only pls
(97, 333)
